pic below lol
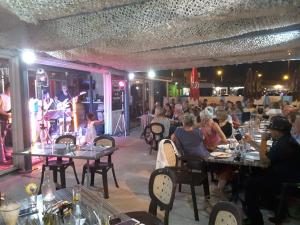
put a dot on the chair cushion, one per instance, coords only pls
(145, 218)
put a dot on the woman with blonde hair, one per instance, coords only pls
(213, 135)
(224, 124)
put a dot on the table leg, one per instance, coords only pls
(2, 146)
(88, 174)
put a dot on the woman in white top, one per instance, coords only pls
(90, 134)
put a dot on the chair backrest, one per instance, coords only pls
(157, 128)
(169, 152)
(66, 139)
(225, 213)
(105, 140)
(148, 136)
(162, 185)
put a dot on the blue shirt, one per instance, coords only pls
(191, 142)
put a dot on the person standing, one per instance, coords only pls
(5, 115)
(63, 100)
(5, 105)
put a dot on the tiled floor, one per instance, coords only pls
(133, 166)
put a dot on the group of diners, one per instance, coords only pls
(198, 130)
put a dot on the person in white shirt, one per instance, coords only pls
(5, 103)
(91, 129)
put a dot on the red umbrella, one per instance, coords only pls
(195, 92)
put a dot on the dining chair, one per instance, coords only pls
(162, 185)
(147, 135)
(59, 165)
(102, 167)
(178, 162)
(225, 213)
(289, 189)
(157, 131)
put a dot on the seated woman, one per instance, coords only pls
(224, 124)
(213, 135)
(177, 118)
(190, 139)
(160, 118)
(168, 111)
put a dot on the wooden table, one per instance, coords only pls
(86, 152)
(90, 200)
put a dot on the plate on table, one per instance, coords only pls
(223, 147)
(221, 154)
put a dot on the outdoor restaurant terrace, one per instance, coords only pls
(149, 112)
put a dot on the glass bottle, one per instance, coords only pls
(48, 187)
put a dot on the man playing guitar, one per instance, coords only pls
(63, 100)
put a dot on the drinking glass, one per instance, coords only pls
(10, 213)
(76, 194)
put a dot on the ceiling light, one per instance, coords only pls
(131, 76)
(219, 72)
(286, 77)
(151, 74)
(28, 56)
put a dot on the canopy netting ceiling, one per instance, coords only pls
(161, 34)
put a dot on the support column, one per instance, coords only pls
(20, 112)
(107, 103)
(126, 106)
(151, 95)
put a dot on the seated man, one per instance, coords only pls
(284, 166)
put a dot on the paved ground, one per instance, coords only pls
(133, 166)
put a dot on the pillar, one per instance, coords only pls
(107, 103)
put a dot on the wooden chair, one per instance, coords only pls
(59, 165)
(102, 167)
(185, 175)
(162, 185)
(157, 131)
(225, 213)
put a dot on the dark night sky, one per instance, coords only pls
(235, 75)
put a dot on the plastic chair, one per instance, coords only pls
(186, 175)
(102, 167)
(59, 165)
(162, 185)
(157, 131)
(225, 213)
